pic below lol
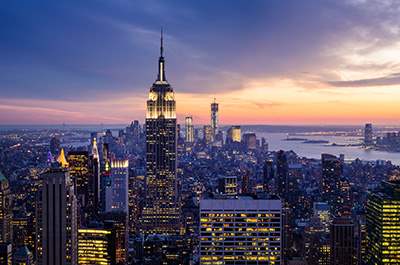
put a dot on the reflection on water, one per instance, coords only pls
(276, 141)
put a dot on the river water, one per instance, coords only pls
(277, 141)
(275, 136)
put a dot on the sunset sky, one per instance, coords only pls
(266, 62)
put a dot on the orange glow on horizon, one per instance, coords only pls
(276, 101)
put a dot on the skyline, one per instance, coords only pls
(284, 63)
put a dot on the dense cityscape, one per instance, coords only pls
(159, 192)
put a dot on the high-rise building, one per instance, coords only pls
(343, 242)
(283, 191)
(6, 254)
(234, 134)
(264, 145)
(96, 246)
(23, 229)
(246, 189)
(368, 135)
(268, 174)
(207, 134)
(155, 249)
(105, 158)
(23, 256)
(178, 135)
(116, 193)
(332, 171)
(189, 130)
(84, 170)
(282, 175)
(361, 238)
(79, 171)
(117, 223)
(240, 231)
(250, 140)
(135, 196)
(214, 118)
(5, 211)
(228, 185)
(318, 249)
(93, 204)
(321, 212)
(55, 146)
(383, 225)
(161, 212)
(317, 236)
(133, 132)
(219, 138)
(58, 221)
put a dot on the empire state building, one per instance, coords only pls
(161, 212)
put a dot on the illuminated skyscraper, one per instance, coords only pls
(234, 135)
(79, 171)
(161, 212)
(58, 239)
(5, 210)
(135, 207)
(84, 172)
(96, 247)
(240, 231)
(214, 118)
(117, 190)
(94, 180)
(189, 130)
(383, 225)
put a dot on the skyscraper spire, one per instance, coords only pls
(161, 210)
(61, 159)
(161, 43)
(161, 71)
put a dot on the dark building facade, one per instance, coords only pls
(268, 174)
(368, 135)
(342, 242)
(5, 210)
(332, 171)
(58, 221)
(282, 190)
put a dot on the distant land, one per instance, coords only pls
(253, 128)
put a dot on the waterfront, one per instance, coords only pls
(275, 136)
(277, 141)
